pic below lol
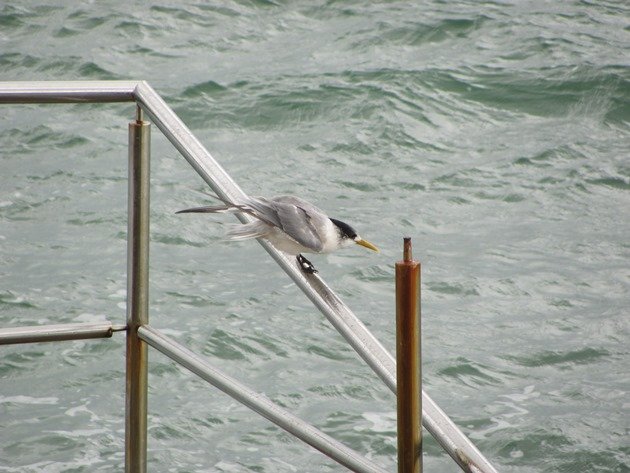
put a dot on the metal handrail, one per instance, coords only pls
(57, 333)
(437, 423)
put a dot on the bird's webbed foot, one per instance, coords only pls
(306, 265)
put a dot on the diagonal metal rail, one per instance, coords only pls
(437, 423)
(257, 402)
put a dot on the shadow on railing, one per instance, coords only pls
(140, 333)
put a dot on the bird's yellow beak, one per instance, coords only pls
(367, 244)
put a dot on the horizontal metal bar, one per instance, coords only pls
(54, 333)
(67, 91)
(257, 402)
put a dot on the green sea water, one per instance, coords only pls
(495, 134)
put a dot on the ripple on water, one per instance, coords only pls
(229, 346)
(562, 359)
(472, 374)
(452, 288)
(9, 301)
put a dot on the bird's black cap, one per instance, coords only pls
(345, 229)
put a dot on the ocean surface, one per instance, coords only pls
(496, 134)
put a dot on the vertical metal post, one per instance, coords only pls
(137, 296)
(408, 364)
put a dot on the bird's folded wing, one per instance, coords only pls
(301, 225)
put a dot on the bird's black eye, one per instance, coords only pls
(345, 229)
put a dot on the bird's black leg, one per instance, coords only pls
(306, 265)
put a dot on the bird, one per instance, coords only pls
(291, 224)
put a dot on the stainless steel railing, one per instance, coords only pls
(437, 423)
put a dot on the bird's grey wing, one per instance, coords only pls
(296, 217)
(263, 209)
(300, 220)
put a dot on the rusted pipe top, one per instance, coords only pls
(407, 257)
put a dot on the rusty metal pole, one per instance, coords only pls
(137, 296)
(408, 366)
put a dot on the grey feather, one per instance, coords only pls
(300, 220)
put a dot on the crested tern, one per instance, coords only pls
(291, 224)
